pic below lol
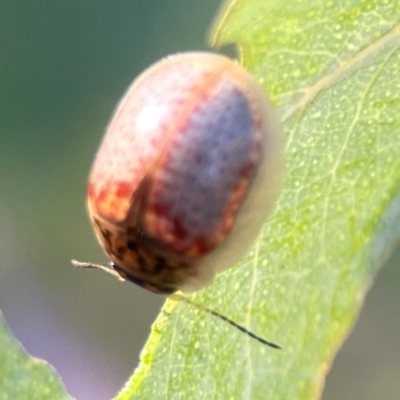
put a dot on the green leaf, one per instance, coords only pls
(332, 68)
(23, 377)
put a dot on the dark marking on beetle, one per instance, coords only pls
(107, 235)
(131, 244)
(161, 264)
(121, 250)
(143, 282)
(142, 263)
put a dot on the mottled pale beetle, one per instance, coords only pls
(187, 171)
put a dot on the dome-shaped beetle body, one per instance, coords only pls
(187, 171)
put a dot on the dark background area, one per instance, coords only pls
(63, 67)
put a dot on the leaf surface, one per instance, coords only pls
(332, 69)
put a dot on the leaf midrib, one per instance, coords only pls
(342, 68)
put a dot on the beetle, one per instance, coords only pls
(188, 169)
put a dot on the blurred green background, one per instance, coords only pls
(63, 67)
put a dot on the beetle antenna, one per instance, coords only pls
(179, 297)
(89, 265)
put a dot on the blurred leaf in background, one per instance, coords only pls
(23, 377)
